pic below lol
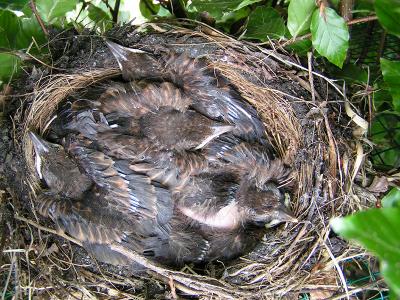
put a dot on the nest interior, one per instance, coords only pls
(305, 122)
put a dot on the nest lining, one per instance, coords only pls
(291, 259)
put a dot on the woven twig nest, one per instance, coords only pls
(302, 123)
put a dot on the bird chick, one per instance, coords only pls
(60, 172)
(251, 161)
(175, 166)
(209, 92)
(220, 203)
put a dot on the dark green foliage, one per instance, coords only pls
(265, 22)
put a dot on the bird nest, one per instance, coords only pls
(303, 113)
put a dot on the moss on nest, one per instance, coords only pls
(307, 134)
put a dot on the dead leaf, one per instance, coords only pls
(380, 184)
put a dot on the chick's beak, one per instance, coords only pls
(121, 53)
(41, 147)
(280, 215)
(38, 143)
(285, 215)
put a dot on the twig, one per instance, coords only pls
(5, 285)
(362, 20)
(108, 6)
(115, 11)
(333, 155)
(172, 287)
(38, 18)
(381, 46)
(346, 9)
(350, 23)
(40, 227)
(180, 280)
(310, 76)
(357, 290)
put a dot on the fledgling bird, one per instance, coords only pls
(209, 95)
(253, 161)
(169, 125)
(172, 164)
(51, 160)
(121, 206)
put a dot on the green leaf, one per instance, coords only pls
(351, 74)
(381, 98)
(264, 22)
(9, 26)
(228, 19)
(335, 3)
(101, 18)
(246, 3)
(97, 14)
(378, 231)
(391, 75)
(388, 12)
(330, 35)
(392, 199)
(50, 10)
(13, 4)
(148, 8)
(216, 8)
(30, 31)
(9, 66)
(301, 47)
(299, 16)
(365, 6)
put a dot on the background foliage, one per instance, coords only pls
(299, 26)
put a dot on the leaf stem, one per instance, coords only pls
(350, 23)
(115, 11)
(38, 18)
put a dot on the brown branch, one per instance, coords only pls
(381, 46)
(362, 20)
(115, 11)
(108, 5)
(350, 23)
(38, 18)
(346, 9)
(310, 76)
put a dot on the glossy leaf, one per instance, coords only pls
(30, 32)
(351, 73)
(50, 10)
(101, 18)
(264, 22)
(378, 231)
(391, 75)
(97, 14)
(13, 4)
(228, 19)
(299, 16)
(9, 26)
(300, 47)
(148, 9)
(246, 3)
(381, 97)
(9, 66)
(330, 35)
(392, 199)
(217, 8)
(388, 12)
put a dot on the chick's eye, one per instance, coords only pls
(259, 223)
